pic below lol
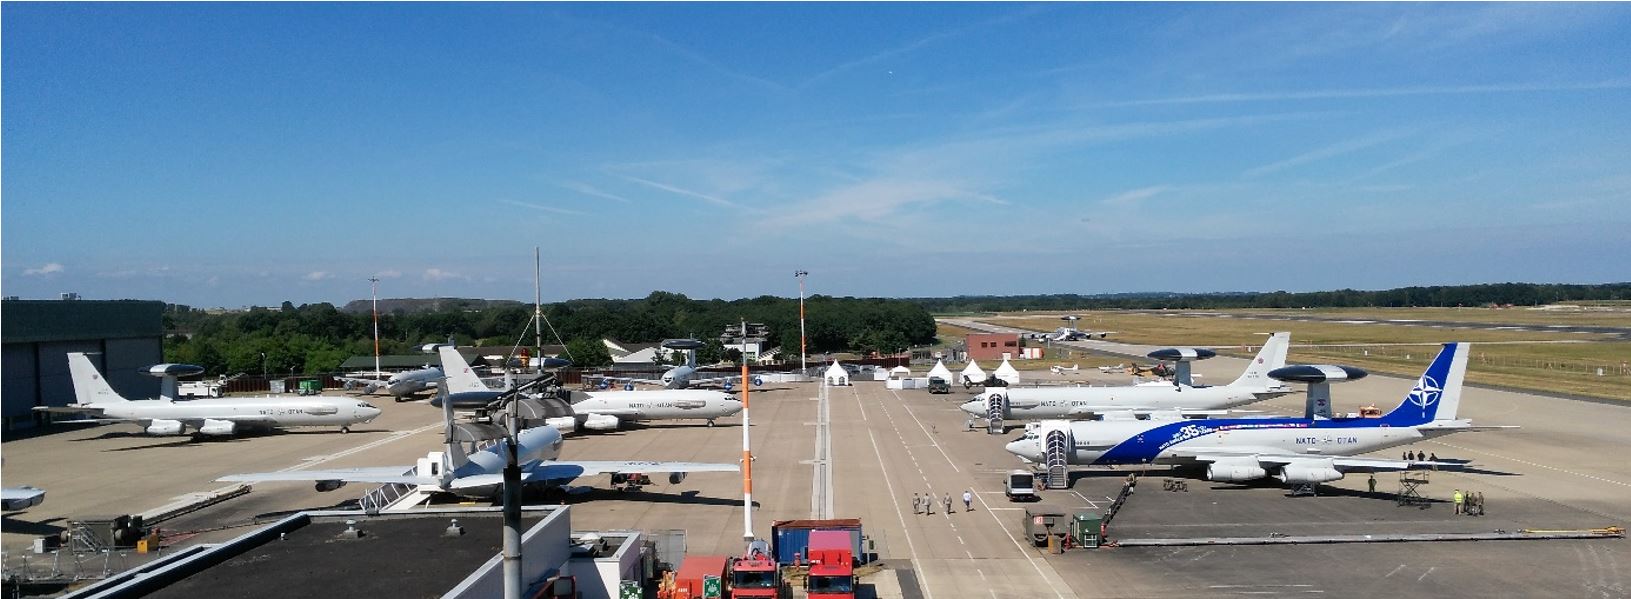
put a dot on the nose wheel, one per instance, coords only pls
(710, 423)
(345, 429)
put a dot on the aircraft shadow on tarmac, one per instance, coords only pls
(199, 440)
(683, 497)
(24, 527)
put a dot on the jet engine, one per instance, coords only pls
(215, 427)
(563, 424)
(163, 427)
(1234, 471)
(600, 422)
(324, 486)
(1321, 472)
(675, 478)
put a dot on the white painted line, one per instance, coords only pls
(898, 515)
(1424, 574)
(925, 429)
(1537, 465)
(1084, 498)
(1021, 548)
(1395, 571)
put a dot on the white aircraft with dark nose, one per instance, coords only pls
(211, 417)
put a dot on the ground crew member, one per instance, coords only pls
(917, 504)
(1457, 498)
(948, 503)
(928, 503)
(1372, 482)
(968, 501)
(1407, 456)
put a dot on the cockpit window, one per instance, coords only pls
(364, 404)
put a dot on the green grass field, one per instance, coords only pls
(1559, 362)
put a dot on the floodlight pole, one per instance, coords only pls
(512, 504)
(374, 292)
(747, 447)
(804, 366)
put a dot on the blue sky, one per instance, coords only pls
(235, 154)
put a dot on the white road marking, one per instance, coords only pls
(313, 461)
(1424, 574)
(936, 444)
(1395, 571)
(1084, 498)
(1537, 465)
(898, 514)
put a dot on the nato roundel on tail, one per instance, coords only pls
(1437, 394)
(1182, 354)
(1317, 373)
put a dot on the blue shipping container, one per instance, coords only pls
(793, 537)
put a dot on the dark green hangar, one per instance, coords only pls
(128, 335)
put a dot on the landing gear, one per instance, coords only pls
(345, 429)
(1305, 490)
(710, 423)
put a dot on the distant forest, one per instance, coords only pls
(316, 338)
(1517, 294)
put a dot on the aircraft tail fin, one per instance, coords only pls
(1270, 357)
(1437, 393)
(460, 377)
(89, 386)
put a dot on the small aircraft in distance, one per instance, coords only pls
(1061, 370)
(683, 376)
(1069, 332)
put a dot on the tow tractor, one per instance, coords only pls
(756, 574)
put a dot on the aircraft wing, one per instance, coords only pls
(630, 379)
(1090, 411)
(69, 410)
(620, 412)
(380, 475)
(568, 470)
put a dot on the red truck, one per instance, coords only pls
(757, 576)
(687, 583)
(832, 565)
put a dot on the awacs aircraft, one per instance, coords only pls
(1069, 332)
(604, 411)
(215, 417)
(460, 469)
(681, 377)
(1028, 403)
(1298, 451)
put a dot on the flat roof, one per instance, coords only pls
(396, 555)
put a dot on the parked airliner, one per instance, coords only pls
(213, 416)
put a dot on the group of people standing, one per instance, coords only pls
(924, 503)
(1468, 503)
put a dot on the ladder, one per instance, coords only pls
(1057, 458)
(993, 415)
(380, 498)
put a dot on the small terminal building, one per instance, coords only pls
(126, 335)
(993, 346)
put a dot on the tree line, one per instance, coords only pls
(316, 338)
(1518, 294)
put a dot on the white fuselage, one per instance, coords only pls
(667, 404)
(1145, 442)
(276, 411)
(1024, 403)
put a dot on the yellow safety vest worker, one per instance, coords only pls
(1458, 497)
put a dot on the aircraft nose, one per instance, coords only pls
(974, 407)
(1025, 448)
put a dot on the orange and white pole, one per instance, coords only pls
(747, 448)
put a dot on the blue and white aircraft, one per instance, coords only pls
(1292, 450)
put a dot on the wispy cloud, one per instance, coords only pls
(437, 274)
(48, 269)
(919, 44)
(1336, 149)
(1338, 94)
(592, 191)
(542, 207)
(1135, 196)
(716, 200)
(874, 200)
(317, 275)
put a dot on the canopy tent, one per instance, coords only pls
(973, 374)
(836, 375)
(900, 372)
(1007, 373)
(940, 371)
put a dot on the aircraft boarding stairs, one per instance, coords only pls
(1058, 446)
(403, 497)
